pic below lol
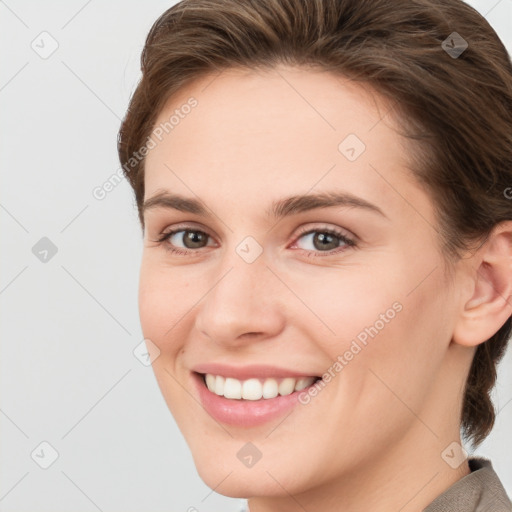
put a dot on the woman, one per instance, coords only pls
(326, 274)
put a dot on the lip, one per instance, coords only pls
(249, 371)
(244, 413)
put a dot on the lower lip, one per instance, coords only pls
(244, 413)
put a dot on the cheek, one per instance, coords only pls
(163, 300)
(352, 304)
(388, 322)
(163, 304)
(400, 362)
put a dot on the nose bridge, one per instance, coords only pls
(239, 300)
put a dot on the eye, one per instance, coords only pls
(191, 239)
(318, 240)
(326, 240)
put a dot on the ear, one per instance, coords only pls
(490, 302)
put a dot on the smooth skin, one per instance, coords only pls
(372, 439)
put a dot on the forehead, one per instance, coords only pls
(282, 127)
(283, 102)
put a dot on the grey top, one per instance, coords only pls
(480, 491)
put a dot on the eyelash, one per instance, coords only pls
(349, 242)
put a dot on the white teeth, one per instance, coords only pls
(252, 389)
(232, 388)
(219, 385)
(210, 381)
(255, 389)
(270, 388)
(304, 382)
(287, 386)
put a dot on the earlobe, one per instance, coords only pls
(490, 304)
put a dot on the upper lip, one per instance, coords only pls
(249, 371)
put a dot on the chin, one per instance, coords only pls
(274, 474)
(242, 483)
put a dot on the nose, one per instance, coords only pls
(242, 304)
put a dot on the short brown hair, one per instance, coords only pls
(456, 109)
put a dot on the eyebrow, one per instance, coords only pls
(281, 208)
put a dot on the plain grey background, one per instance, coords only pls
(70, 262)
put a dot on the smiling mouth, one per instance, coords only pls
(254, 388)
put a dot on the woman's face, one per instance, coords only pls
(304, 248)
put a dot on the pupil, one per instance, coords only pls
(194, 237)
(324, 239)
